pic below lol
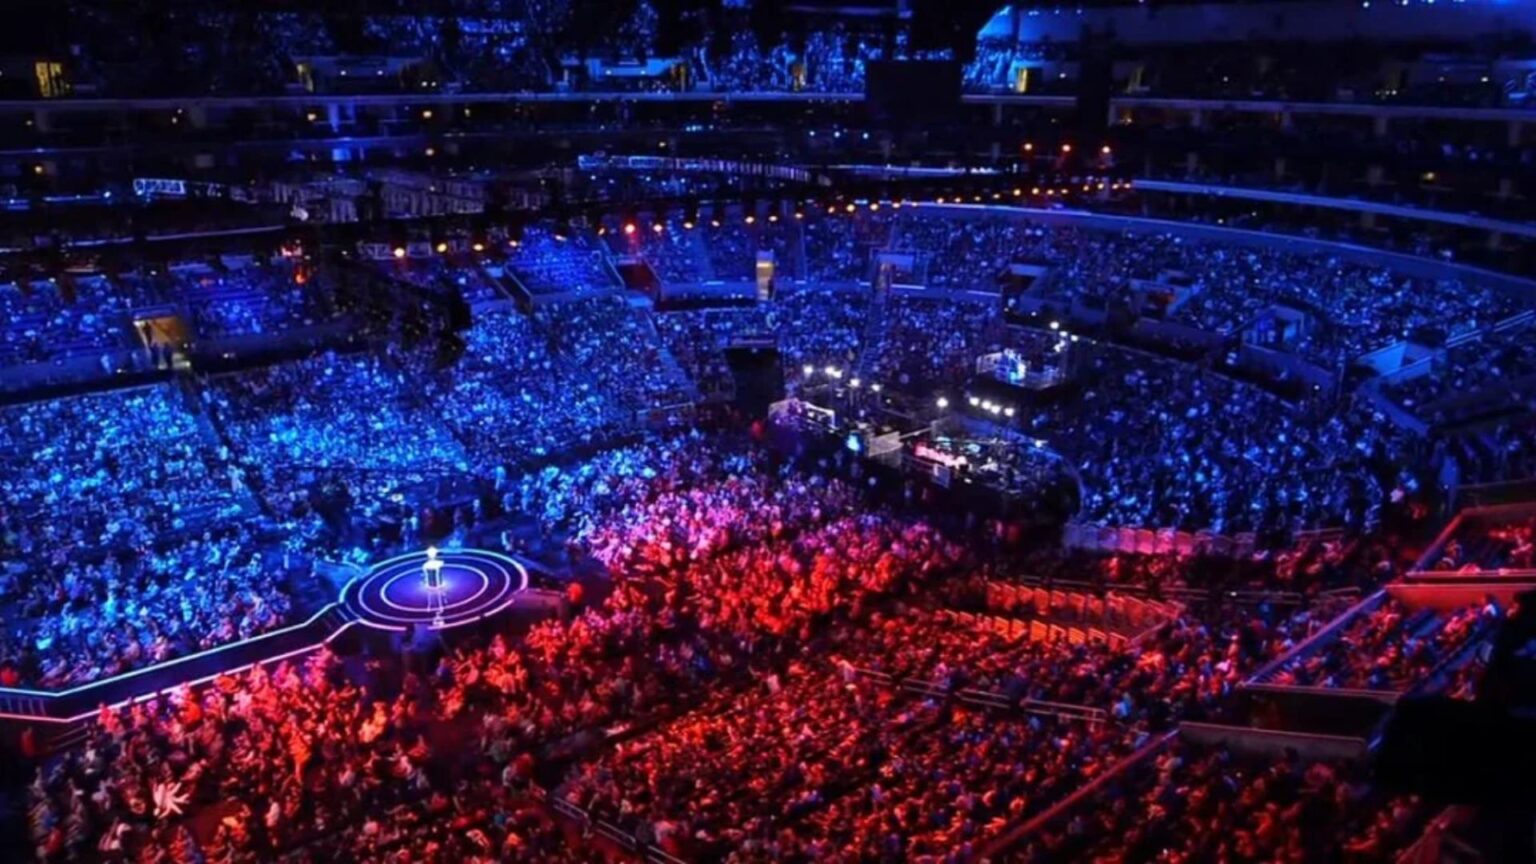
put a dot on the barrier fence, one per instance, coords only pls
(985, 698)
(625, 840)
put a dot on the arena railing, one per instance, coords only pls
(1438, 844)
(1011, 838)
(626, 840)
(986, 698)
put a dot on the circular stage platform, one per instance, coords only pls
(474, 583)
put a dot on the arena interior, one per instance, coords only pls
(744, 431)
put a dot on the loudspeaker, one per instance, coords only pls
(1094, 83)
(920, 91)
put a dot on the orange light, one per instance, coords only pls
(441, 248)
(750, 219)
(399, 251)
(629, 227)
(1066, 148)
(1104, 149)
(851, 208)
(478, 247)
(1028, 147)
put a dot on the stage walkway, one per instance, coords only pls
(481, 585)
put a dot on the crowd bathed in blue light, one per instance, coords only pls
(556, 432)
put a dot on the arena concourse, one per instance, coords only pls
(665, 431)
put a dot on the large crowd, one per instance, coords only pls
(248, 299)
(760, 614)
(779, 667)
(53, 318)
(1200, 802)
(1389, 647)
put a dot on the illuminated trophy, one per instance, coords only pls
(432, 577)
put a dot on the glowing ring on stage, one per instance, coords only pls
(476, 584)
(485, 585)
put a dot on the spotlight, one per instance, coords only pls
(855, 383)
(974, 401)
(656, 228)
(478, 247)
(808, 369)
(629, 228)
(1008, 412)
(942, 403)
(875, 387)
(399, 252)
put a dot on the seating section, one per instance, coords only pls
(510, 399)
(60, 317)
(547, 260)
(1387, 648)
(1200, 802)
(618, 345)
(353, 415)
(250, 299)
